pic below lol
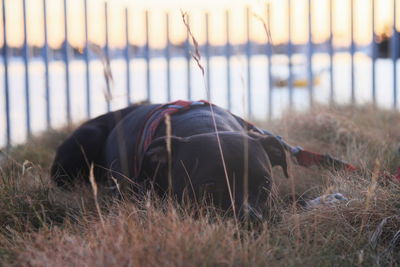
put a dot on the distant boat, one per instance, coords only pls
(299, 77)
(297, 81)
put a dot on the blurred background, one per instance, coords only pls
(63, 61)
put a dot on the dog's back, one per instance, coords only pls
(85, 147)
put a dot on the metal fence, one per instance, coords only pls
(248, 50)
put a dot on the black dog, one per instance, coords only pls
(133, 144)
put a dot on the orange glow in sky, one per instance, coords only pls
(196, 9)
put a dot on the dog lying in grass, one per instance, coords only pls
(183, 148)
(200, 150)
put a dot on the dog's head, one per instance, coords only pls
(227, 168)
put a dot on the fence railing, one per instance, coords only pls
(250, 50)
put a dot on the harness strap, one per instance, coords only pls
(153, 120)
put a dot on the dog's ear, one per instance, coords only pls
(276, 152)
(158, 149)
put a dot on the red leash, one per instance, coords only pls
(307, 158)
(397, 174)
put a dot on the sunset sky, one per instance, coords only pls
(196, 8)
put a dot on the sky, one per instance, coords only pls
(196, 9)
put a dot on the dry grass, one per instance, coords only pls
(41, 225)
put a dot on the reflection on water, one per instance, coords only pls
(259, 92)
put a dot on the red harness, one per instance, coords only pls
(157, 115)
(153, 121)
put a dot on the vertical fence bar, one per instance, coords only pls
(188, 61)
(228, 60)
(46, 66)
(395, 47)
(108, 61)
(269, 55)
(248, 59)
(331, 54)
(107, 44)
(127, 58)
(87, 61)
(352, 51)
(6, 81)
(168, 57)
(66, 62)
(26, 63)
(289, 55)
(207, 56)
(374, 54)
(147, 57)
(310, 78)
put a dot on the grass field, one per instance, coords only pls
(41, 225)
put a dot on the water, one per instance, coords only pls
(259, 80)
